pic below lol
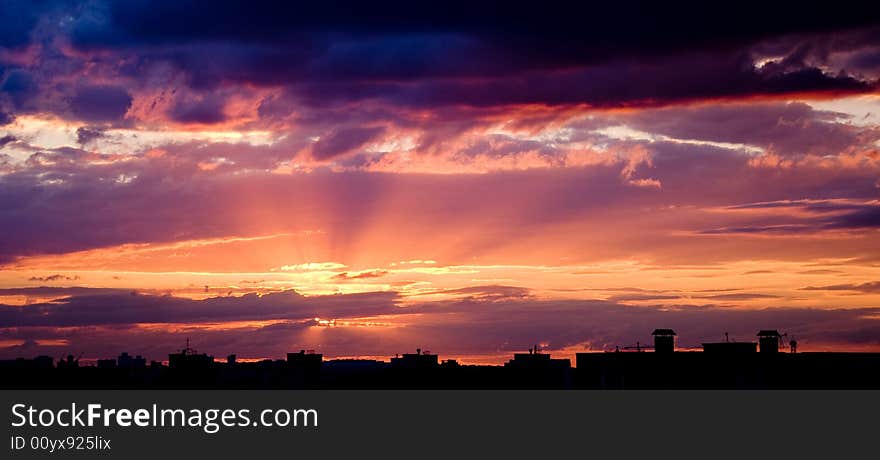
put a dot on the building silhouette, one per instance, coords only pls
(725, 364)
(664, 340)
(768, 340)
(188, 359)
(127, 361)
(305, 360)
(415, 361)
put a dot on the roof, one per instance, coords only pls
(730, 347)
(663, 332)
(768, 333)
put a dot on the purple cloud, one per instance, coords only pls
(100, 103)
(344, 141)
(206, 110)
(788, 129)
(87, 134)
(109, 308)
(458, 327)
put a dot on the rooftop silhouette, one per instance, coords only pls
(725, 364)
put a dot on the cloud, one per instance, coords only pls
(98, 200)
(364, 34)
(100, 103)
(743, 296)
(866, 217)
(785, 128)
(344, 141)
(206, 110)
(761, 229)
(112, 308)
(53, 278)
(20, 87)
(312, 266)
(396, 56)
(607, 85)
(87, 134)
(640, 297)
(822, 216)
(58, 292)
(467, 326)
(19, 19)
(867, 288)
(345, 276)
(488, 293)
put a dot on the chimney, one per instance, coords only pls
(664, 341)
(768, 341)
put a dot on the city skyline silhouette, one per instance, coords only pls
(728, 364)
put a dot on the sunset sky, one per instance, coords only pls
(363, 180)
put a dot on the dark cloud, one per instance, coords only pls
(742, 296)
(345, 276)
(640, 297)
(60, 292)
(649, 82)
(100, 103)
(344, 140)
(821, 272)
(20, 87)
(642, 28)
(6, 118)
(759, 229)
(488, 293)
(815, 206)
(829, 215)
(867, 288)
(465, 326)
(788, 129)
(7, 139)
(19, 17)
(87, 134)
(397, 55)
(868, 217)
(206, 110)
(461, 54)
(129, 308)
(56, 277)
(866, 60)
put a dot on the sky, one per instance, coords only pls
(470, 179)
